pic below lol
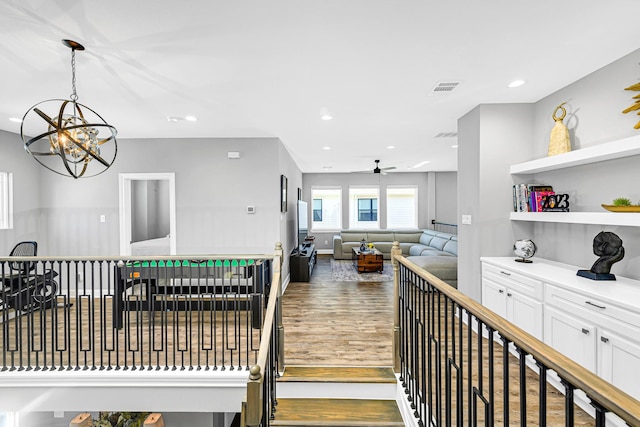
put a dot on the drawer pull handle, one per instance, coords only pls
(501, 291)
(505, 273)
(604, 339)
(595, 305)
(508, 294)
(585, 331)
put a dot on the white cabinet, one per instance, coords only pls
(619, 361)
(595, 323)
(571, 336)
(610, 341)
(515, 297)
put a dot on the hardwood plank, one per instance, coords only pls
(337, 412)
(325, 374)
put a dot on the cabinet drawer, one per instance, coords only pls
(515, 281)
(587, 306)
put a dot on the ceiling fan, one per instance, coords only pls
(378, 169)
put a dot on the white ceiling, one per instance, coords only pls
(270, 68)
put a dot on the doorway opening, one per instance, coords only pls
(147, 214)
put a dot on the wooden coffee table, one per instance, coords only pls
(370, 260)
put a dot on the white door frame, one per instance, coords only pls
(125, 180)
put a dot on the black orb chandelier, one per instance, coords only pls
(71, 143)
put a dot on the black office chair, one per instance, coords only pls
(22, 288)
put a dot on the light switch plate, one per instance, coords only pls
(466, 219)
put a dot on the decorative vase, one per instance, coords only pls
(363, 246)
(559, 141)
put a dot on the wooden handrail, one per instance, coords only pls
(603, 392)
(252, 407)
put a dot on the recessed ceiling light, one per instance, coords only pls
(326, 148)
(326, 117)
(191, 118)
(454, 146)
(516, 83)
(391, 147)
(15, 119)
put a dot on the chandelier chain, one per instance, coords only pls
(74, 95)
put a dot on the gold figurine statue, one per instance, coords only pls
(635, 106)
(559, 141)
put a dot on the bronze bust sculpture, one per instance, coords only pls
(608, 246)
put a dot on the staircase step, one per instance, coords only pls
(337, 412)
(338, 374)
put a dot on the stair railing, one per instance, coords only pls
(448, 350)
(260, 401)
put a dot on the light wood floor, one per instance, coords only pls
(337, 323)
(350, 323)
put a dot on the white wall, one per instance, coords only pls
(212, 195)
(492, 137)
(594, 111)
(26, 181)
(446, 197)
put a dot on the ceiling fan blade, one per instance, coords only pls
(389, 168)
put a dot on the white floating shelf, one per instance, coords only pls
(597, 153)
(600, 218)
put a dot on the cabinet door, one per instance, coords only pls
(525, 312)
(494, 297)
(571, 335)
(619, 362)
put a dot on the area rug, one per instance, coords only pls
(345, 271)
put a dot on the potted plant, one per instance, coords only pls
(622, 204)
(120, 419)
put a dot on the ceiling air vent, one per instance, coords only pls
(444, 87)
(447, 135)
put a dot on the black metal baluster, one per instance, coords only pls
(523, 386)
(542, 389)
(505, 380)
(491, 359)
(568, 402)
(600, 413)
(469, 366)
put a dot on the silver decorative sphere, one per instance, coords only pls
(525, 249)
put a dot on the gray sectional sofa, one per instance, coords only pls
(434, 251)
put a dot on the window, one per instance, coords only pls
(6, 200)
(367, 209)
(326, 208)
(317, 210)
(8, 419)
(402, 207)
(363, 208)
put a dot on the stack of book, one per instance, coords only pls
(530, 197)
